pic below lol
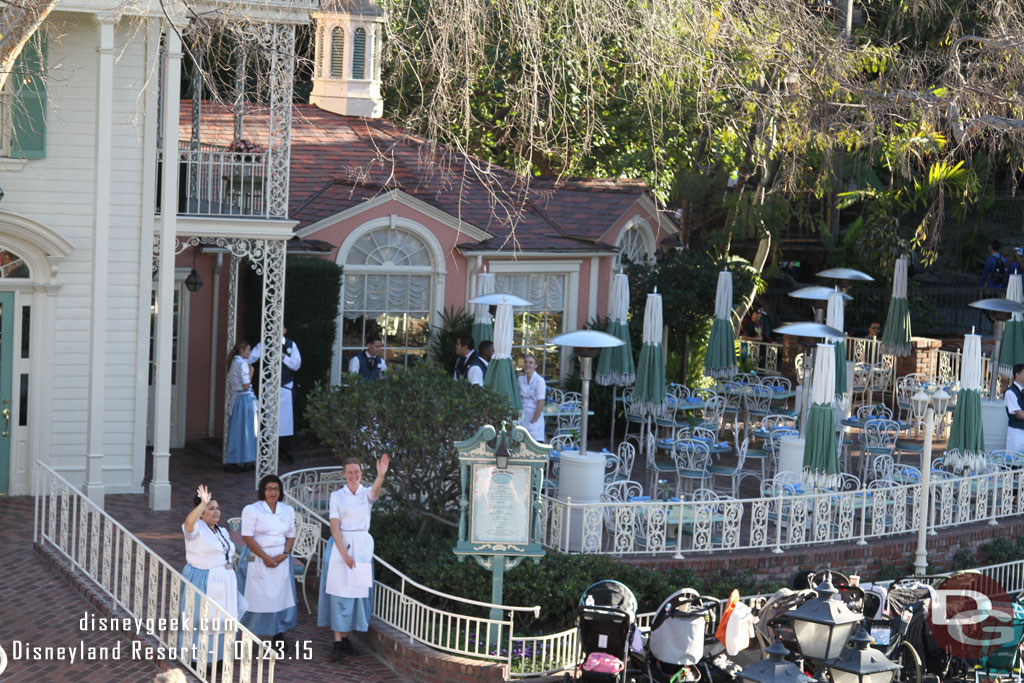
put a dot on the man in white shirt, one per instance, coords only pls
(1014, 399)
(469, 366)
(368, 364)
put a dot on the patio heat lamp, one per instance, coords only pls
(999, 310)
(845, 278)
(817, 297)
(587, 344)
(808, 335)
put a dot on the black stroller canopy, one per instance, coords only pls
(609, 593)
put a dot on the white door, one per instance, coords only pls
(179, 332)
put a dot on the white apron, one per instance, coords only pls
(531, 391)
(1014, 439)
(268, 590)
(343, 581)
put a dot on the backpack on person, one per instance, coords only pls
(999, 275)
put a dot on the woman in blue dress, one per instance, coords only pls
(265, 567)
(242, 425)
(208, 550)
(346, 596)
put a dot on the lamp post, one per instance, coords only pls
(999, 311)
(588, 345)
(823, 624)
(863, 663)
(775, 669)
(925, 407)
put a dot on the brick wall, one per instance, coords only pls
(419, 663)
(867, 560)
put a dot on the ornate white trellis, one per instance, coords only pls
(267, 258)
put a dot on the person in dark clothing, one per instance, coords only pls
(994, 276)
(754, 327)
(368, 364)
(469, 366)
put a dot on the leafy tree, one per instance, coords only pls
(415, 414)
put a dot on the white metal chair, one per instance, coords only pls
(713, 414)
(878, 437)
(735, 472)
(691, 458)
(304, 550)
(626, 457)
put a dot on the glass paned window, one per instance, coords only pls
(12, 266)
(26, 330)
(388, 292)
(539, 322)
(635, 246)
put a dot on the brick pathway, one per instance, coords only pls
(40, 608)
(38, 605)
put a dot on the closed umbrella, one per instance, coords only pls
(483, 329)
(615, 366)
(649, 392)
(1012, 350)
(896, 335)
(966, 433)
(501, 373)
(720, 360)
(821, 454)
(834, 318)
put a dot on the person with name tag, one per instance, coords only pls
(265, 567)
(346, 579)
(208, 552)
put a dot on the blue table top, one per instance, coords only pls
(858, 424)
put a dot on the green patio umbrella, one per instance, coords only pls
(835, 318)
(501, 372)
(896, 335)
(483, 329)
(1012, 350)
(649, 392)
(720, 359)
(966, 433)
(615, 365)
(821, 452)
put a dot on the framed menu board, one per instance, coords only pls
(500, 504)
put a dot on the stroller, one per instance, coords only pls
(681, 646)
(606, 623)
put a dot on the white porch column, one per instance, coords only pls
(271, 332)
(160, 486)
(215, 350)
(94, 487)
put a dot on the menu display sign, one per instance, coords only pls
(500, 504)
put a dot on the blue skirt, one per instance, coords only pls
(267, 623)
(341, 614)
(242, 437)
(189, 642)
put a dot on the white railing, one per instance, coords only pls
(219, 182)
(462, 626)
(170, 609)
(774, 523)
(947, 368)
(764, 356)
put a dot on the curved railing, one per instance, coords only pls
(461, 629)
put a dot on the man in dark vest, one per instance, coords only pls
(1014, 399)
(291, 360)
(469, 366)
(486, 350)
(368, 364)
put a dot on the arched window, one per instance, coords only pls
(338, 52)
(359, 54)
(388, 291)
(636, 244)
(12, 266)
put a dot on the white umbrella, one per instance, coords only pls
(1011, 350)
(482, 324)
(821, 454)
(501, 372)
(966, 434)
(896, 335)
(720, 356)
(615, 366)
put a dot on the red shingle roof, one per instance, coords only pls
(339, 161)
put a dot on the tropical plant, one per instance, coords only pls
(455, 323)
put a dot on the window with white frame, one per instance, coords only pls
(635, 243)
(544, 319)
(388, 287)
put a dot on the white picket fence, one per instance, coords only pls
(143, 586)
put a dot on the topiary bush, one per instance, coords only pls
(415, 414)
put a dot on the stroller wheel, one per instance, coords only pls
(910, 661)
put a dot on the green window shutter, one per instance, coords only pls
(358, 54)
(337, 52)
(28, 106)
